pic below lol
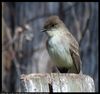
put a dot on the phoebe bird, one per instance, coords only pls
(62, 46)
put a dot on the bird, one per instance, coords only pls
(62, 46)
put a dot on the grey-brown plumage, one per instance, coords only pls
(62, 46)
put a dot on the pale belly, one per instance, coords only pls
(60, 53)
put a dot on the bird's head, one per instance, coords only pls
(53, 25)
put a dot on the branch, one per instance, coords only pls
(84, 31)
(46, 15)
(33, 19)
(71, 6)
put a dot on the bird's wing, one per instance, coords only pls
(74, 50)
(76, 59)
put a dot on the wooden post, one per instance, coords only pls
(57, 82)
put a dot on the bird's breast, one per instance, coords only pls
(59, 52)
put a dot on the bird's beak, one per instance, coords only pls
(43, 30)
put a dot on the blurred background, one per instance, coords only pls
(24, 45)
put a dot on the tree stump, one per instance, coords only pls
(57, 82)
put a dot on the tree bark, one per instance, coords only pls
(57, 82)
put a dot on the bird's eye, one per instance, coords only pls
(53, 25)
